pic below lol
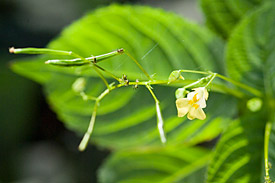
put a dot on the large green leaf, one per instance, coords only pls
(250, 47)
(126, 116)
(222, 16)
(163, 165)
(238, 156)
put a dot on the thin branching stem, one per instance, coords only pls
(101, 76)
(85, 140)
(107, 72)
(159, 115)
(138, 64)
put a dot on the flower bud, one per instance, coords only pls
(181, 93)
(79, 85)
(175, 75)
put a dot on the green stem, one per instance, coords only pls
(101, 76)
(212, 78)
(109, 73)
(266, 142)
(241, 85)
(137, 63)
(196, 72)
(197, 82)
(85, 140)
(159, 115)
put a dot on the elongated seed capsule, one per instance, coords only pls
(41, 51)
(98, 58)
(78, 61)
(70, 62)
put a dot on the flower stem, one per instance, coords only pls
(241, 85)
(268, 128)
(138, 64)
(85, 140)
(159, 115)
(211, 79)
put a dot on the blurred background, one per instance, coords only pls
(34, 146)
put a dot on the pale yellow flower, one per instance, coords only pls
(193, 104)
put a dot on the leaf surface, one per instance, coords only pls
(163, 165)
(223, 16)
(251, 46)
(239, 153)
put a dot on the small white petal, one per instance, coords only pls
(196, 113)
(182, 106)
(200, 92)
(191, 95)
(201, 103)
(205, 94)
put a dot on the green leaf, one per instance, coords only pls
(162, 42)
(251, 46)
(162, 165)
(239, 153)
(223, 16)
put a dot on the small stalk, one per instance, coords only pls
(109, 73)
(138, 64)
(241, 85)
(101, 76)
(159, 115)
(86, 138)
(268, 128)
(211, 79)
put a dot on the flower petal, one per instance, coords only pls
(182, 106)
(201, 103)
(196, 113)
(205, 95)
(191, 95)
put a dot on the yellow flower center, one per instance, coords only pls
(194, 100)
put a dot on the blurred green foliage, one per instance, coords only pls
(126, 123)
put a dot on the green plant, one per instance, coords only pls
(243, 113)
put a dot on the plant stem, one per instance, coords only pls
(101, 76)
(212, 78)
(159, 115)
(85, 140)
(109, 73)
(137, 63)
(266, 142)
(241, 85)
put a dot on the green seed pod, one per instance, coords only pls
(71, 62)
